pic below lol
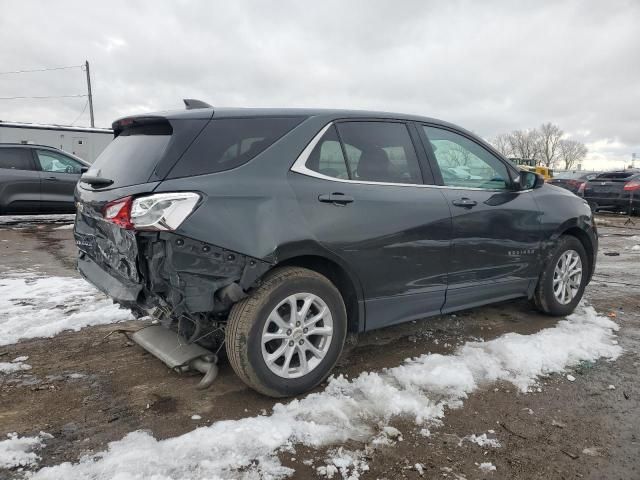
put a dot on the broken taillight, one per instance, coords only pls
(119, 212)
(160, 211)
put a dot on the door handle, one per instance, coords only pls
(51, 178)
(336, 198)
(465, 202)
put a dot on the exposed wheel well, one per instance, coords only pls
(586, 243)
(339, 277)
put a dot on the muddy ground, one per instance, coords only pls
(543, 434)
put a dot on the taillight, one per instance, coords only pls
(119, 212)
(160, 211)
(632, 185)
(581, 187)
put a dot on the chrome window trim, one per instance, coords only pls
(300, 166)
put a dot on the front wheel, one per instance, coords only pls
(563, 279)
(286, 337)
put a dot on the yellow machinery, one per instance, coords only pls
(530, 165)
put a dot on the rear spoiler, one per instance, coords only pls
(154, 121)
(161, 124)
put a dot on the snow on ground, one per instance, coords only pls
(482, 440)
(18, 451)
(487, 467)
(43, 307)
(354, 409)
(348, 464)
(16, 365)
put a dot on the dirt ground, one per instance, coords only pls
(543, 435)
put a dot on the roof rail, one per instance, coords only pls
(192, 103)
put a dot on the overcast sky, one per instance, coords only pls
(488, 66)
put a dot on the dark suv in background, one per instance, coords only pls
(37, 179)
(617, 191)
(277, 231)
(572, 181)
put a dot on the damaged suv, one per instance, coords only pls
(272, 233)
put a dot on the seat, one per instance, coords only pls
(374, 165)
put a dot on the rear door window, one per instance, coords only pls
(230, 142)
(327, 157)
(16, 159)
(380, 152)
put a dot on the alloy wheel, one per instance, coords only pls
(567, 276)
(297, 335)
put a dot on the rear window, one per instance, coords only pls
(132, 156)
(16, 158)
(228, 143)
(616, 175)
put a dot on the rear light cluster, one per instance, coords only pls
(575, 183)
(581, 188)
(632, 185)
(160, 211)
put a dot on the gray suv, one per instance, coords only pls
(272, 232)
(37, 179)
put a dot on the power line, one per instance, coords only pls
(41, 69)
(83, 109)
(45, 96)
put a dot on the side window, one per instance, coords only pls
(53, 162)
(327, 157)
(380, 152)
(464, 163)
(16, 158)
(227, 143)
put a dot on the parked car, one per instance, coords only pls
(37, 179)
(618, 191)
(572, 180)
(278, 231)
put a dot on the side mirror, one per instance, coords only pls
(529, 180)
(83, 169)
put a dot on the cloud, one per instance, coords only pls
(488, 66)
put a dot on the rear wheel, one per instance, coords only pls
(563, 279)
(286, 337)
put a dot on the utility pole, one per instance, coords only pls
(86, 67)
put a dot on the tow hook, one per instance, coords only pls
(179, 355)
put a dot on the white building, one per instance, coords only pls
(84, 142)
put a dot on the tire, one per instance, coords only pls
(254, 316)
(545, 297)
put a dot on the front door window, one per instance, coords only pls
(464, 163)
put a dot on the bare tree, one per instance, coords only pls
(571, 152)
(458, 156)
(549, 143)
(525, 144)
(502, 143)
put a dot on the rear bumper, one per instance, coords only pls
(146, 270)
(120, 290)
(622, 201)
